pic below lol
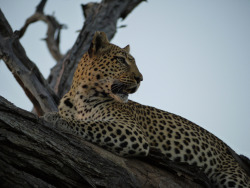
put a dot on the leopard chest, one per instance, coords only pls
(93, 110)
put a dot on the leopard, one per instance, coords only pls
(97, 109)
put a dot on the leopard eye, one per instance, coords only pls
(121, 60)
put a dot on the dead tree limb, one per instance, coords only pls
(24, 70)
(53, 31)
(33, 154)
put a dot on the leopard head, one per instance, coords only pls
(110, 69)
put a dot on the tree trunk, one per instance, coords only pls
(33, 154)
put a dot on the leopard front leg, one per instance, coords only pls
(124, 139)
(57, 122)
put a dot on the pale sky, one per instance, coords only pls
(194, 56)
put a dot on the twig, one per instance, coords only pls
(53, 31)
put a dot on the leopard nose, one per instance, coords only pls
(138, 78)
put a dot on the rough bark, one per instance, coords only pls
(33, 154)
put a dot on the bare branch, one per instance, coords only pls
(24, 70)
(33, 153)
(53, 31)
(41, 6)
(89, 9)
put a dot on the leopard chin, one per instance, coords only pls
(120, 97)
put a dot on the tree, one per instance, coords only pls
(33, 153)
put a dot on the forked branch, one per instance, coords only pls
(53, 31)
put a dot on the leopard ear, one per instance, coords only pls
(127, 48)
(99, 42)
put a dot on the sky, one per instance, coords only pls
(194, 56)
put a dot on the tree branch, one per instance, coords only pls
(24, 70)
(53, 31)
(33, 153)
